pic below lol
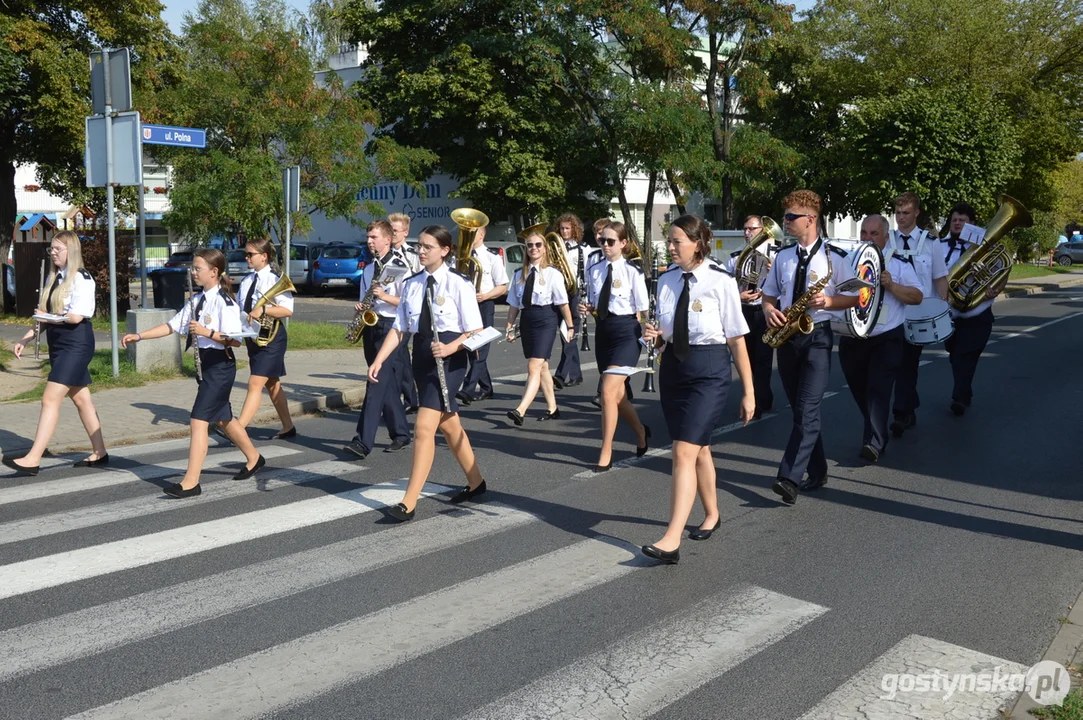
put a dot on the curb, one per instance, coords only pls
(1040, 288)
(1065, 649)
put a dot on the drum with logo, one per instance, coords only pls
(867, 262)
(928, 323)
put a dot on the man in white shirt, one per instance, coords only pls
(760, 354)
(870, 364)
(400, 229)
(494, 284)
(923, 248)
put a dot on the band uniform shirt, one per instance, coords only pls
(219, 313)
(493, 272)
(952, 256)
(408, 254)
(780, 280)
(548, 288)
(925, 252)
(593, 257)
(731, 265)
(454, 306)
(628, 291)
(714, 304)
(81, 300)
(383, 308)
(264, 280)
(893, 311)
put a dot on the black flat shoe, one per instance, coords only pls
(287, 434)
(175, 490)
(641, 451)
(603, 468)
(246, 473)
(10, 462)
(482, 396)
(466, 493)
(464, 398)
(103, 460)
(558, 382)
(550, 415)
(400, 513)
(700, 534)
(667, 556)
(515, 417)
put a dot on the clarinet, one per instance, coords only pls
(582, 284)
(41, 303)
(195, 343)
(652, 318)
(439, 361)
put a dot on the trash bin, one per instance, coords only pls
(170, 286)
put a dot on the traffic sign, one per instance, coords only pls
(112, 88)
(179, 136)
(127, 161)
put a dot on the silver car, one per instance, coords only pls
(1068, 253)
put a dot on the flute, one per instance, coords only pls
(191, 312)
(439, 361)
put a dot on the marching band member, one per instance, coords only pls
(870, 364)
(71, 348)
(436, 297)
(973, 328)
(700, 322)
(595, 255)
(909, 241)
(617, 291)
(569, 371)
(215, 318)
(494, 284)
(400, 225)
(761, 355)
(382, 399)
(539, 295)
(804, 361)
(267, 364)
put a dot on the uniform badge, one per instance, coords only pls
(207, 319)
(616, 284)
(697, 306)
(812, 276)
(440, 299)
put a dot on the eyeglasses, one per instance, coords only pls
(534, 245)
(610, 241)
(55, 251)
(790, 217)
(752, 229)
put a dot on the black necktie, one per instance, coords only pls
(528, 291)
(680, 321)
(603, 296)
(424, 326)
(195, 316)
(52, 289)
(906, 242)
(251, 295)
(800, 281)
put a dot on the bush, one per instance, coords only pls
(1036, 241)
(96, 259)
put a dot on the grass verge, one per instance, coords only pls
(101, 375)
(6, 356)
(1071, 708)
(317, 336)
(1021, 272)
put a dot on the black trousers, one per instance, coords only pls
(406, 377)
(804, 365)
(478, 373)
(965, 347)
(870, 367)
(906, 381)
(382, 398)
(569, 368)
(760, 355)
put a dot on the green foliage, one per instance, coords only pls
(1068, 182)
(1037, 240)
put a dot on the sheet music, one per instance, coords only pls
(50, 317)
(624, 370)
(482, 338)
(972, 234)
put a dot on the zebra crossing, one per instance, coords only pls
(277, 670)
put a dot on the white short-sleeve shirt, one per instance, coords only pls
(454, 308)
(714, 304)
(382, 307)
(81, 300)
(219, 313)
(893, 311)
(925, 252)
(263, 280)
(493, 272)
(827, 259)
(549, 288)
(627, 292)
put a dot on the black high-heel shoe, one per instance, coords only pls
(550, 415)
(700, 534)
(603, 468)
(667, 556)
(400, 513)
(641, 451)
(466, 493)
(515, 417)
(10, 462)
(103, 460)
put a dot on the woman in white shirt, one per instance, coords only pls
(71, 347)
(537, 293)
(617, 293)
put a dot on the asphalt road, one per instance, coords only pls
(293, 598)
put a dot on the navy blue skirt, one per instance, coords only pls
(71, 348)
(270, 361)
(693, 392)
(212, 398)
(538, 326)
(617, 341)
(428, 379)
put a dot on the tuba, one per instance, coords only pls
(752, 263)
(797, 317)
(558, 258)
(986, 267)
(268, 326)
(469, 222)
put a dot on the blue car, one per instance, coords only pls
(340, 265)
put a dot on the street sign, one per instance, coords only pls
(291, 188)
(179, 136)
(120, 80)
(127, 150)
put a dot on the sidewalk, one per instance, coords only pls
(1045, 283)
(317, 379)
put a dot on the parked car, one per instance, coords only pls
(302, 256)
(1068, 253)
(511, 252)
(340, 265)
(180, 259)
(236, 264)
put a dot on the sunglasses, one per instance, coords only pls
(610, 241)
(534, 245)
(790, 217)
(251, 254)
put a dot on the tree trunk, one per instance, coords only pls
(648, 211)
(675, 191)
(8, 210)
(712, 95)
(626, 211)
(727, 140)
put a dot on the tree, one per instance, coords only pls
(45, 85)
(249, 81)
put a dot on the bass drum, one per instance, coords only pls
(867, 263)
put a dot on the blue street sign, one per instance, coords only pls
(180, 136)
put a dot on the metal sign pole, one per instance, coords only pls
(110, 220)
(286, 229)
(142, 249)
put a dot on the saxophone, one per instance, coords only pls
(797, 317)
(366, 316)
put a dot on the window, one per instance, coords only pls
(341, 253)
(515, 254)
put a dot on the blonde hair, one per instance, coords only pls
(74, 265)
(544, 263)
(399, 217)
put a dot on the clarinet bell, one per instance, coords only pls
(648, 381)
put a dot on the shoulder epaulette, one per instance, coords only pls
(85, 273)
(671, 269)
(494, 251)
(419, 272)
(637, 264)
(460, 273)
(735, 253)
(228, 299)
(837, 251)
(719, 268)
(396, 259)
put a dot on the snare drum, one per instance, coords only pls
(928, 323)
